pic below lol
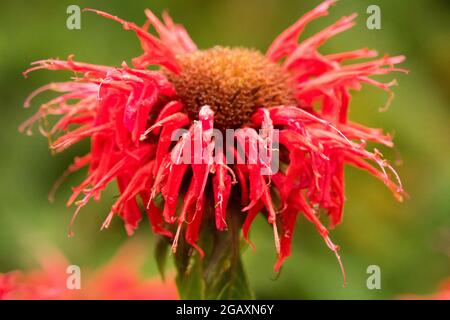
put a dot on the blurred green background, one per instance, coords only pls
(410, 241)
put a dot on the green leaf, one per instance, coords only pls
(220, 274)
(189, 279)
(161, 252)
(224, 274)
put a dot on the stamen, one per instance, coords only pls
(276, 237)
(335, 249)
(175, 240)
(107, 221)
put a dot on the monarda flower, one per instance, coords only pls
(130, 114)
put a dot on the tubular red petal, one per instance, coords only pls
(78, 163)
(130, 212)
(311, 44)
(173, 36)
(351, 55)
(155, 50)
(194, 224)
(251, 215)
(154, 215)
(169, 109)
(285, 43)
(300, 202)
(172, 189)
(129, 189)
(222, 190)
(174, 121)
(243, 184)
(288, 219)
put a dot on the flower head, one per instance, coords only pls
(130, 114)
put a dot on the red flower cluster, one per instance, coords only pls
(130, 113)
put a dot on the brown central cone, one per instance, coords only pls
(234, 82)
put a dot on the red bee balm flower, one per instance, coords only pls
(130, 114)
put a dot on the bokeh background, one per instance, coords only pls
(410, 241)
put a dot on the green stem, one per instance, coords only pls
(220, 274)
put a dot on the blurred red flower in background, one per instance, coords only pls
(130, 113)
(120, 278)
(442, 293)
